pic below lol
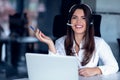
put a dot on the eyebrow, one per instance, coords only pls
(81, 16)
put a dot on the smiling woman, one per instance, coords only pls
(81, 42)
(78, 21)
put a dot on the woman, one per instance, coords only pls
(81, 42)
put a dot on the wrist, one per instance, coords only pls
(98, 71)
(51, 47)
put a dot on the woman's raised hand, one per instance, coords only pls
(42, 37)
(45, 39)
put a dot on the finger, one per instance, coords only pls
(37, 33)
(40, 35)
(43, 35)
(82, 72)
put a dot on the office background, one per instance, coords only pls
(47, 10)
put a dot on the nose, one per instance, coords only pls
(79, 20)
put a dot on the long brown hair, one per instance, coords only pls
(89, 44)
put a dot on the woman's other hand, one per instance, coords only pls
(87, 72)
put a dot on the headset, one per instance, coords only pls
(91, 19)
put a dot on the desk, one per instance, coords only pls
(28, 40)
(115, 76)
(8, 41)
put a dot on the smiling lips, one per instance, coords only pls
(78, 26)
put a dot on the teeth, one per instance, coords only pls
(79, 26)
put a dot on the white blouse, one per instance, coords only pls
(102, 52)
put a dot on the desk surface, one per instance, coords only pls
(19, 39)
(115, 76)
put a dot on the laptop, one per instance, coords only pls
(49, 67)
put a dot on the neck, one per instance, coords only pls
(78, 38)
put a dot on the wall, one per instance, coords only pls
(45, 21)
(108, 5)
(110, 24)
(91, 3)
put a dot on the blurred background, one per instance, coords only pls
(49, 16)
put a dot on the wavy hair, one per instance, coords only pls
(89, 44)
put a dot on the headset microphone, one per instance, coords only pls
(69, 24)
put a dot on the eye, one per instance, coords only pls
(83, 17)
(74, 17)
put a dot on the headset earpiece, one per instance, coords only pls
(69, 24)
(91, 21)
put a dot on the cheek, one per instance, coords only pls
(84, 23)
(73, 28)
(85, 26)
(73, 21)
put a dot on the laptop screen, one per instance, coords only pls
(47, 67)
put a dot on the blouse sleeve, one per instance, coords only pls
(59, 45)
(110, 64)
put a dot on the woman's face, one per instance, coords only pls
(78, 22)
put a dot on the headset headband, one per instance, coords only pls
(80, 4)
(89, 7)
(71, 7)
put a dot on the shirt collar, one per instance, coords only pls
(81, 44)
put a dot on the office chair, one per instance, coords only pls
(97, 22)
(59, 26)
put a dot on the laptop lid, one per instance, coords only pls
(48, 67)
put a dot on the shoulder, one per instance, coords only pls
(60, 40)
(100, 41)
